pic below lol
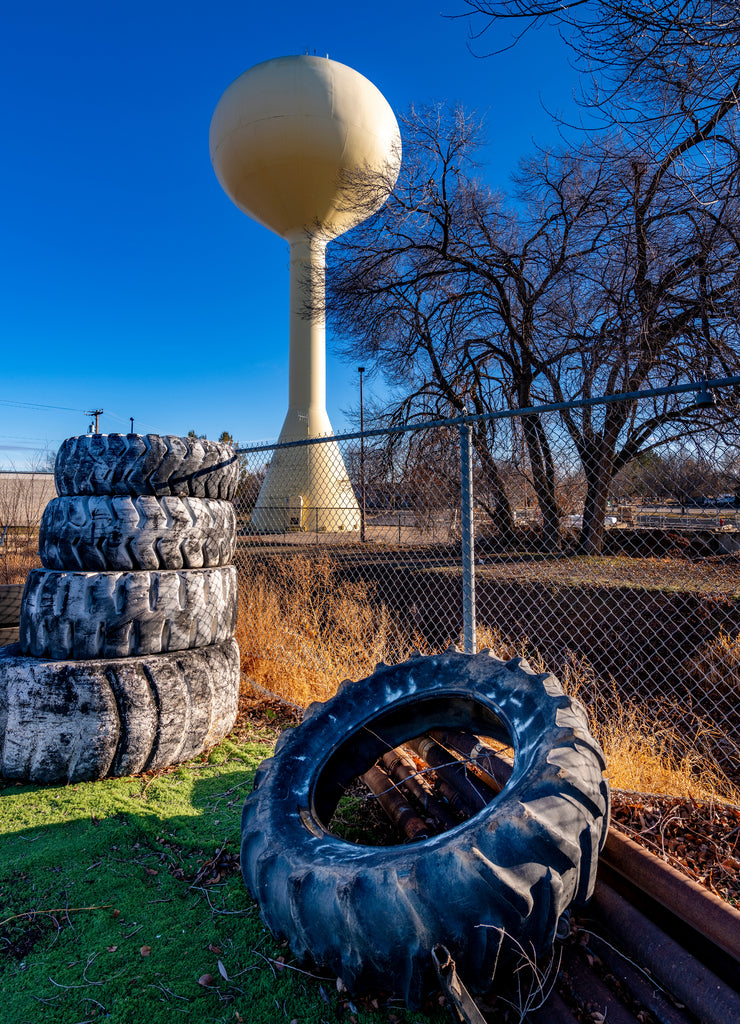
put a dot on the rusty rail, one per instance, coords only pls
(639, 942)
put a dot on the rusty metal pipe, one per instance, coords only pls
(395, 804)
(473, 795)
(553, 1011)
(494, 770)
(705, 995)
(590, 992)
(693, 903)
(642, 986)
(402, 769)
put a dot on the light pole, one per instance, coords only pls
(361, 370)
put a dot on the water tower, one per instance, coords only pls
(286, 138)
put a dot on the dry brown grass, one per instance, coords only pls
(716, 668)
(19, 554)
(302, 629)
(645, 750)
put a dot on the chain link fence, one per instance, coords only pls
(496, 532)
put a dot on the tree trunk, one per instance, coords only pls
(543, 480)
(500, 512)
(597, 469)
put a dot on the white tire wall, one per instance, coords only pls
(71, 721)
(79, 615)
(146, 464)
(102, 532)
(127, 661)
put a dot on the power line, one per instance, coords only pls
(25, 437)
(36, 405)
(66, 408)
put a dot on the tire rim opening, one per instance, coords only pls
(414, 772)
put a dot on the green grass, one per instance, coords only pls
(117, 896)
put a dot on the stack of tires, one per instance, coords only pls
(127, 659)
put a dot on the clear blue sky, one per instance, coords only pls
(128, 280)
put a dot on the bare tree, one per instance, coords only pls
(612, 273)
(650, 66)
(448, 289)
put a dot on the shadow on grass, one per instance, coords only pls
(119, 898)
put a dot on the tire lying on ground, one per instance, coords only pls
(492, 885)
(78, 615)
(101, 532)
(79, 720)
(146, 464)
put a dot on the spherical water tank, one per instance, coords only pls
(287, 132)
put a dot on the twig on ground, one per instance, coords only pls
(278, 963)
(168, 991)
(57, 910)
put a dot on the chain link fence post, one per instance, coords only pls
(468, 537)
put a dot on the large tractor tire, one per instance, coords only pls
(122, 532)
(79, 615)
(146, 464)
(73, 721)
(489, 889)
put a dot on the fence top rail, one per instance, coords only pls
(702, 386)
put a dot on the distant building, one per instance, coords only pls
(24, 496)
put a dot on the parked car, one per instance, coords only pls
(719, 501)
(576, 522)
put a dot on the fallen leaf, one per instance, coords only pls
(322, 993)
(215, 949)
(116, 913)
(151, 871)
(145, 950)
(111, 949)
(222, 971)
(206, 980)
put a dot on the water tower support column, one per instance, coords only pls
(307, 487)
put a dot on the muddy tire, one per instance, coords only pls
(122, 532)
(79, 720)
(146, 464)
(78, 615)
(502, 878)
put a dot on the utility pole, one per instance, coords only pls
(361, 370)
(97, 413)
